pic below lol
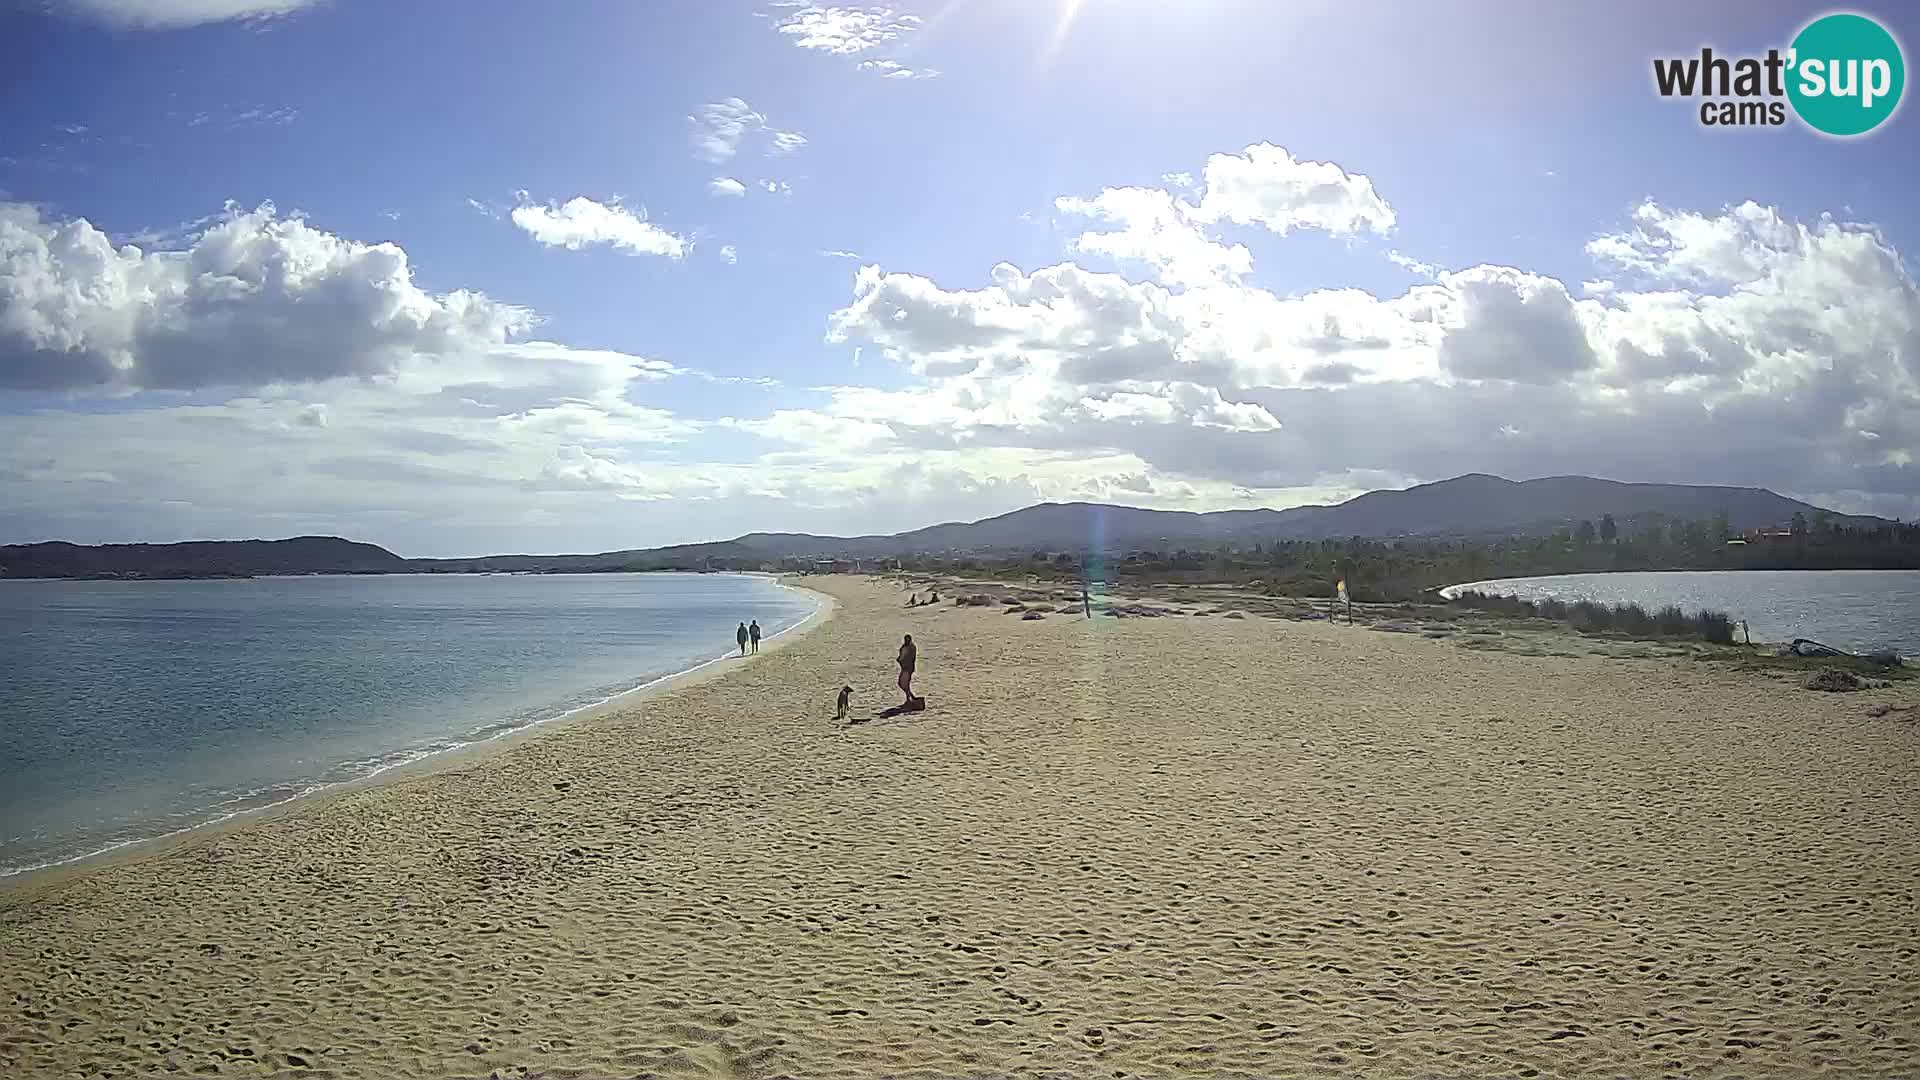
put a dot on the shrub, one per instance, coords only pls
(1587, 615)
(1633, 619)
(1673, 622)
(1590, 617)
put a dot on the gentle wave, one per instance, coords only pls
(364, 770)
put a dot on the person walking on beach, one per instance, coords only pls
(740, 636)
(753, 634)
(909, 656)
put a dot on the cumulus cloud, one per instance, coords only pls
(844, 31)
(1265, 186)
(1733, 346)
(1736, 247)
(729, 254)
(1151, 227)
(257, 297)
(1796, 365)
(178, 14)
(581, 222)
(1513, 325)
(727, 186)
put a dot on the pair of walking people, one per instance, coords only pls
(748, 635)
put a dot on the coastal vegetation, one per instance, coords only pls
(1408, 569)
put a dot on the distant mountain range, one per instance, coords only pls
(1471, 506)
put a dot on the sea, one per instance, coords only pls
(131, 710)
(1855, 610)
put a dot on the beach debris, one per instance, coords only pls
(562, 785)
(1810, 647)
(1883, 709)
(1841, 682)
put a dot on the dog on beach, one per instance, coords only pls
(840, 705)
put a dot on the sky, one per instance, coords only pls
(479, 277)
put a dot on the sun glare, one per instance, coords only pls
(1069, 9)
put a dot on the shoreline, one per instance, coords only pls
(1173, 846)
(425, 764)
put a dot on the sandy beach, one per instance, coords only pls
(1117, 848)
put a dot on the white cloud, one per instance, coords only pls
(776, 187)
(729, 254)
(719, 129)
(840, 254)
(376, 410)
(1513, 325)
(1266, 185)
(252, 116)
(1153, 229)
(256, 298)
(1799, 368)
(1741, 245)
(178, 14)
(844, 31)
(727, 186)
(581, 222)
(894, 69)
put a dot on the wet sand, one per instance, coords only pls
(1130, 847)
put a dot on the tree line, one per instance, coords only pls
(1397, 570)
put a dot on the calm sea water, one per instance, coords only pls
(129, 710)
(1856, 610)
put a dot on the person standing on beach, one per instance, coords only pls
(740, 636)
(909, 656)
(753, 634)
(1086, 599)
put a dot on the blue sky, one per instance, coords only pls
(1341, 245)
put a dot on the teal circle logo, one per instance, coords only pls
(1846, 74)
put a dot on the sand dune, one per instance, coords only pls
(1115, 849)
